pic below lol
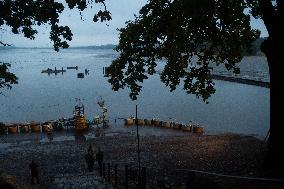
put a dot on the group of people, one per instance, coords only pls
(90, 158)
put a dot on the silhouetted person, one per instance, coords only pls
(100, 159)
(34, 172)
(89, 157)
(90, 150)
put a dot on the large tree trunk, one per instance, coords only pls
(275, 157)
(272, 47)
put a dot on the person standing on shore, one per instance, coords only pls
(89, 157)
(100, 159)
(90, 150)
(34, 172)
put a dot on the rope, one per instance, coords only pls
(232, 176)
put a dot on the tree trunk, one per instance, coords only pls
(272, 48)
(275, 157)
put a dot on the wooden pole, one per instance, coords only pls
(138, 150)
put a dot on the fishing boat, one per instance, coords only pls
(80, 121)
(72, 67)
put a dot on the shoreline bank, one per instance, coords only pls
(225, 154)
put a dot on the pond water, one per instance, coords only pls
(236, 108)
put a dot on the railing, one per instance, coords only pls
(127, 177)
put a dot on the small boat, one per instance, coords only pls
(48, 70)
(80, 121)
(80, 75)
(72, 67)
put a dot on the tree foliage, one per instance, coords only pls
(23, 15)
(6, 78)
(179, 31)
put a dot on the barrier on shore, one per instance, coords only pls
(195, 128)
(241, 80)
(35, 127)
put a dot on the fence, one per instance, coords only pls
(127, 177)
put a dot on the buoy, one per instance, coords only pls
(129, 121)
(187, 128)
(177, 126)
(156, 123)
(13, 129)
(198, 129)
(140, 122)
(167, 124)
(47, 127)
(24, 129)
(147, 122)
(35, 127)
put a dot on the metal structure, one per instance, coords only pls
(80, 122)
(104, 117)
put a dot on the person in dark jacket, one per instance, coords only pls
(34, 172)
(89, 157)
(100, 158)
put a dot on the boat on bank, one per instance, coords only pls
(80, 122)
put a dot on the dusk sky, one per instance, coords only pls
(87, 32)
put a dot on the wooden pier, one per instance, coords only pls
(55, 71)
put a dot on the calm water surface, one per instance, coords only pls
(236, 108)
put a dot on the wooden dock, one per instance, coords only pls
(55, 71)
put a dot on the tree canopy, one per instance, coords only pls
(23, 15)
(178, 32)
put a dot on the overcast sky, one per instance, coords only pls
(87, 32)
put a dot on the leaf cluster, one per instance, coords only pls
(22, 15)
(6, 78)
(189, 36)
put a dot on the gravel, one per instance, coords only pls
(161, 155)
